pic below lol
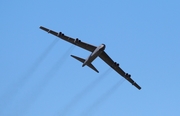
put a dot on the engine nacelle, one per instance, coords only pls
(60, 34)
(127, 75)
(116, 64)
(76, 41)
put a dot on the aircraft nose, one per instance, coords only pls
(103, 46)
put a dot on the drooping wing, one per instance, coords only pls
(76, 42)
(112, 64)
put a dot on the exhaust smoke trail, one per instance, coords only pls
(60, 62)
(33, 95)
(103, 98)
(79, 96)
(13, 90)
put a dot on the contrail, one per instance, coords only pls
(79, 96)
(49, 76)
(60, 62)
(102, 99)
(13, 90)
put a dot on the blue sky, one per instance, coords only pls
(39, 78)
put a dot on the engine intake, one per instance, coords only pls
(60, 34)
(76, 41)
(127, 75)
(116, 64)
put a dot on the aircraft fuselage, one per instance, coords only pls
(94, 54)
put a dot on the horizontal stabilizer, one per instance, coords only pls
(78, 58)
(83, 60)
(92, 67)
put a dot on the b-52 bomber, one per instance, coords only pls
(95, 52)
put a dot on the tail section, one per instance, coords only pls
(83, 60)
(78, 58)
(92, 67)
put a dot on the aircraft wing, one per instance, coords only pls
(76, 41)
(116, 67)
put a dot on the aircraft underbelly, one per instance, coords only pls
(93, 56)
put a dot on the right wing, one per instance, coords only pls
(116, 67)
(76, 42)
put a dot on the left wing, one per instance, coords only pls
(76, 41)
(116, 67)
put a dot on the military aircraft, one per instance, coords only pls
(95, 52)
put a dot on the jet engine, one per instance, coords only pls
(76, 41)
(60, 34)
(127, 75)
(116, 64)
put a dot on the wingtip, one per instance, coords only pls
(41, 27)
(138, 86)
